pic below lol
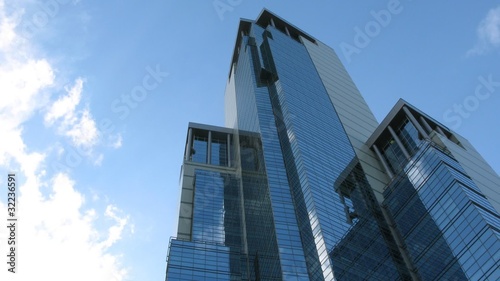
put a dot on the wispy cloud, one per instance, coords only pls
(65, 106)
(114, 232)
(488, 33)
(78, 125)
(56, 221)
(116, 141)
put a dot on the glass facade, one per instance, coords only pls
(409, 136)
(200, 149)
(450, 229)
(232, 234)
(293, 266)
(219, 152)
(367, 251)
(198, 261)
(280, 95)
(287, 193)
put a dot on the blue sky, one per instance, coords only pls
(95, 98)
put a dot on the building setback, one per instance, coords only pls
(304, 184)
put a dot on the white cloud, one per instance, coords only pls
(84, 131)
(114, 232)
(488, 33)
(117, 141)
(7, 33)
(76, 124)
(22, 81)
(65, 106)
(56, 228)
(98, 160)
(58, 237)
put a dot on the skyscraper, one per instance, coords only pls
(304, 184)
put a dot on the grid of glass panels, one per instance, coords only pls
(200, 149)
(425, 243)
(367, 251)
(394, 155)
(260, 234)
(408, 135)
(217, 213)
(442, 216)
(209, 208)
(299, 127)
(189, 261)
(248, 87)
(314, 144)
(219, 150)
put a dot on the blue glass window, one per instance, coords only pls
(199, 153)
